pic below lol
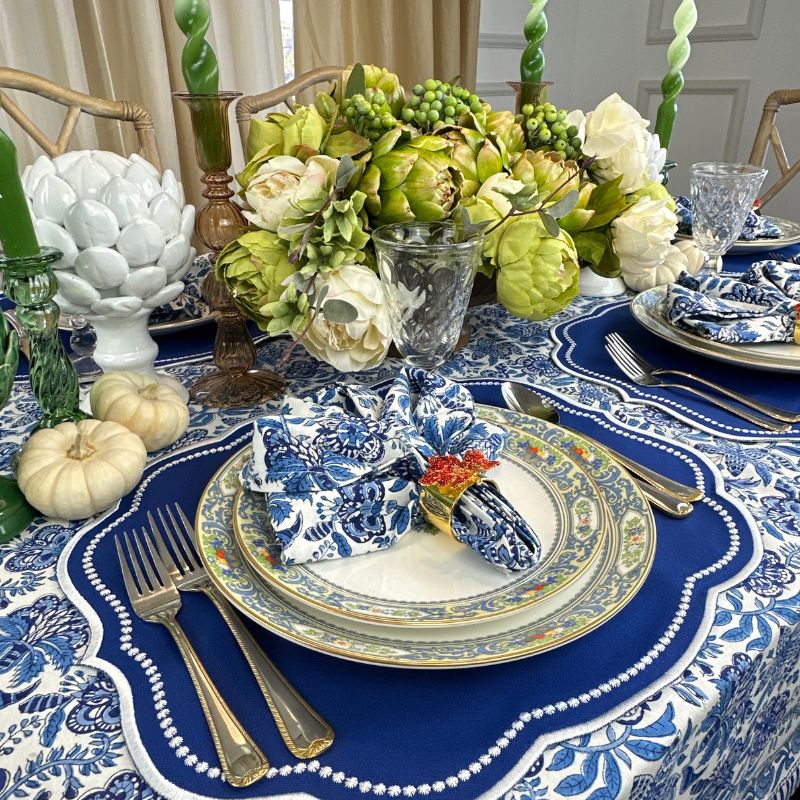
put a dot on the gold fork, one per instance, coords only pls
(155, 598)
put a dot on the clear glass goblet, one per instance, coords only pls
(427, 274)
(722, 197)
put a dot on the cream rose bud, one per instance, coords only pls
(363, 343)
(271, 190)
(490, 192)
(694, 255)
(617, 136)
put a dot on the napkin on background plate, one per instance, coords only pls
(762, 306)
(190, 302)
(340, 471)
(755, 226)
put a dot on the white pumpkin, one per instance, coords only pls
(78, 469)
(156, 413)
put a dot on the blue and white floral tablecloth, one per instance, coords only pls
(728, 728)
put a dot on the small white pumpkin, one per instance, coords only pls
(156, 413)
(74, 470)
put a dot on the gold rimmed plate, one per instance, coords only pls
(625, 558)
(429, 579)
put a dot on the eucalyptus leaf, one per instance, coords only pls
(339, 311)
(550, 224)
(357, 82)
(565, 204)
(345, 171)
(319, 299)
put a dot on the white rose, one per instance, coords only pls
(489, 191)
(282, 181)
(642, 240)
(617, 136)
(271, 190)
(357, 345)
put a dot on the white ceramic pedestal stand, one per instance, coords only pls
(124, 343)
(594, 285)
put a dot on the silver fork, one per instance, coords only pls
(155, 598)
(303, 730)
(645, 374)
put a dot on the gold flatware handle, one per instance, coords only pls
(242, 761)
(302, 729)
(757, 405)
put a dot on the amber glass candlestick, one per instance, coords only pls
(236, 382)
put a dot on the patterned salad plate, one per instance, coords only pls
(609, 582)
(791, 235)
(648, 310)
(428, 579)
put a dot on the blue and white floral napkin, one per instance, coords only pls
(755, 226)
(340, 471)
(762, 306)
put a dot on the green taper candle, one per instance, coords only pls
(16, 227)
(532, 62)
(677, 55)
(200, 68)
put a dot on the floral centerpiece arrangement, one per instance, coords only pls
(549, 190)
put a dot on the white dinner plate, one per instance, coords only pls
(427, 579)
(648, 310)
(602, 591)
(791, 235)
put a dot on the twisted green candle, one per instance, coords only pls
(677, 56)
(199, 64)
(531, 65)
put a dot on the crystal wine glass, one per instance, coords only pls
(722, 196)
(427, 275)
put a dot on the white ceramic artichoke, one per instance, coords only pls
(124, 229)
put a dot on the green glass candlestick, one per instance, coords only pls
(29, 281)
(15, 513)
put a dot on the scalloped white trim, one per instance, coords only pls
(631, 393)
(325, 772)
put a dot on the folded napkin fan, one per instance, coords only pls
(755, 226)
(762, 306)
(341, 470)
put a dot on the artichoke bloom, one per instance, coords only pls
(414, 181)
(299, 134)
(360, 344)
(547, 171)
(476, 157)
(271, 190)
(255, 268)
(508, 133)
(380, 79)
(538, 274)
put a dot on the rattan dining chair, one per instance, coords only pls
(249, 105)
(767, 134)
(76, 103)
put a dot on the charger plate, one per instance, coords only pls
(648, 310)
(428, 579)
(625, 558)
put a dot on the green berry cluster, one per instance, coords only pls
(546, 129)
(434, 103)
(369, 114)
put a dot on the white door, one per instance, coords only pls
(741, 51)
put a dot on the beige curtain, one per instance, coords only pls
(131, 49)
(417, 39)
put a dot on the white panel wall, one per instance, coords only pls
(742, 50)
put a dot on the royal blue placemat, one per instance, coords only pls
(456, 733)
(580, 350)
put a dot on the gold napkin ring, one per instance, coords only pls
(445, 481)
